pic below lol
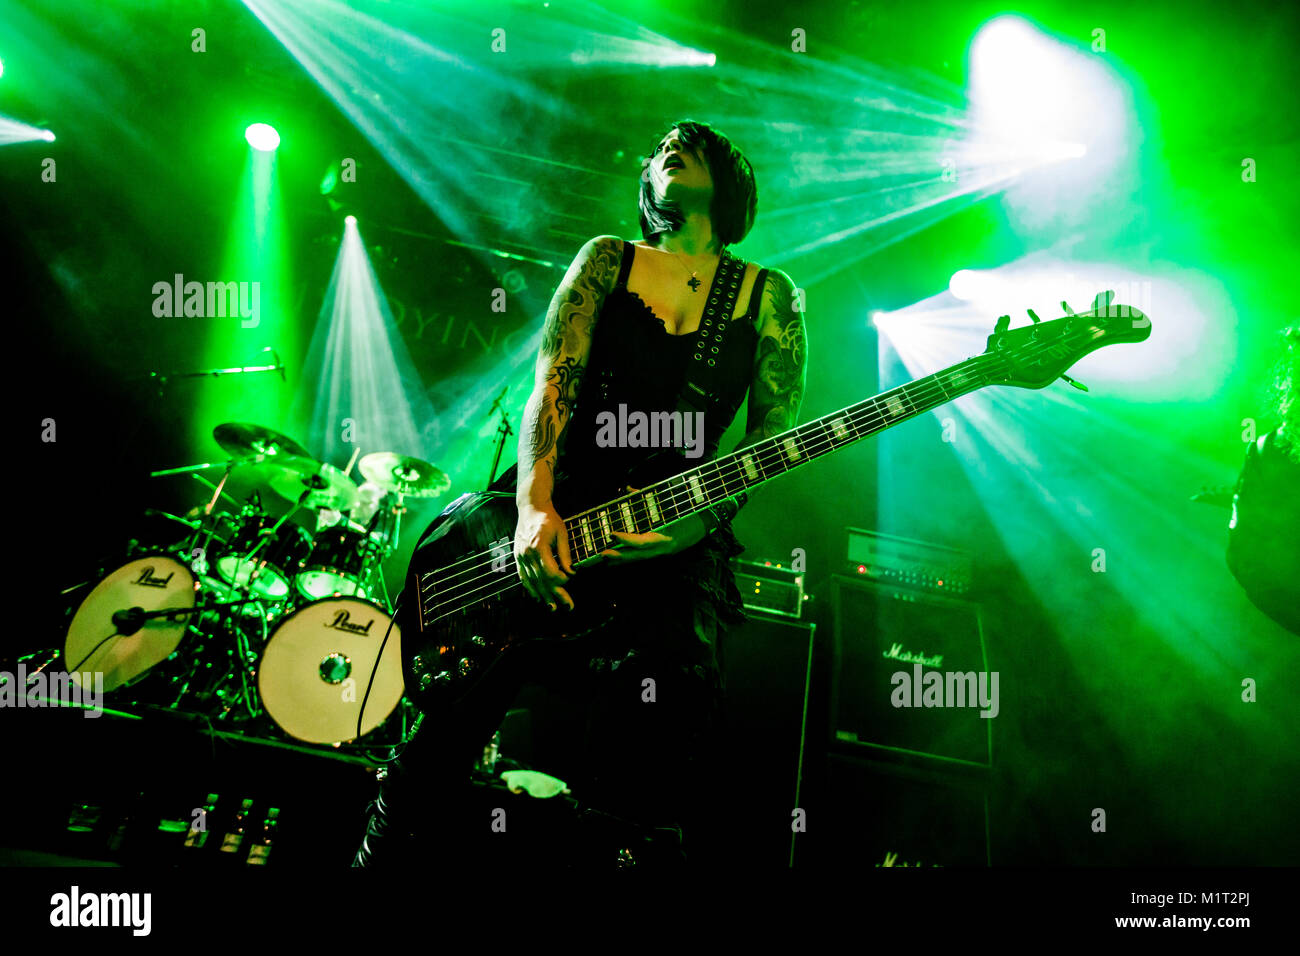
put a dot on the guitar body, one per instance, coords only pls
(469, 625)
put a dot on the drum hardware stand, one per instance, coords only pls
(163, 379)
(134, 617)
(218, 489)
(504, 431)
(266, 535)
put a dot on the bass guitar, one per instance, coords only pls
(464, 607)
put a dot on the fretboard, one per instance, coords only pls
(649, 509)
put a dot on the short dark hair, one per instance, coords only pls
(735, 196)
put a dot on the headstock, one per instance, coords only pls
(1040, 353)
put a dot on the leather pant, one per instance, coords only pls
(641, 773)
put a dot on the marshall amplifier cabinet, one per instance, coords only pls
(882, 815)
(911, 677)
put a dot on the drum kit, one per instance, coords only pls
(255, 620)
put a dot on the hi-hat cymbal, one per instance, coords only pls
(410, 476)
(327, 486)
(245, 440)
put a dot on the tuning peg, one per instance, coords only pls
(1033, 315)
(1066, 306)
(1102, 301)
(1079, 385)
(1003, 323)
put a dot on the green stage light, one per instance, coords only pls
(263, 137)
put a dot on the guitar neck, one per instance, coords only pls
(713, 482)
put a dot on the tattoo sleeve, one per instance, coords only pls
(780, 360)
(566, 343)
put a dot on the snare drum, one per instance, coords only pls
(262, 558)
(341, 562)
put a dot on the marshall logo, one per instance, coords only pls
(146, 579)
(342, 622)
(896, 653)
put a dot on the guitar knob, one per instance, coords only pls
(465, 666)
(479, 641)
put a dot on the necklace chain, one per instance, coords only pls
(693, 281)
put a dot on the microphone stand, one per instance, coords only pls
(504, 431)
(163, 379)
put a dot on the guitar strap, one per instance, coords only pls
(702, 390)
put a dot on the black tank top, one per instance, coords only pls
(637, 363)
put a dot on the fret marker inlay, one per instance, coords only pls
(791, 449)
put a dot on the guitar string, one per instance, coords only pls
(763, 458)
(821, 444)
(816, 448)
(871, 405)
(813, 448)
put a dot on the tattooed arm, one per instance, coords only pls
(780, 361)
(566, 341)
(776, 391)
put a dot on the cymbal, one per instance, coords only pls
(244, 440)
(329, 487)
(410, 476)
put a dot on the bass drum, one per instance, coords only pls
(94, 645)
(318, 665)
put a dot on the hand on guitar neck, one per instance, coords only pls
(542, 552)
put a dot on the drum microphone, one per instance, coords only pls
(128, 621)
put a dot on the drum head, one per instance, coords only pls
(153, 583)
(322, 584)
(318, 663)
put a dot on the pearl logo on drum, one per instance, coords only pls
(147, 579)
(342, 622)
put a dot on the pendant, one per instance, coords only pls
(694, 283)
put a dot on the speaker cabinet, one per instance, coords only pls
(885, 814)
(767, 664)
(881, 631)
